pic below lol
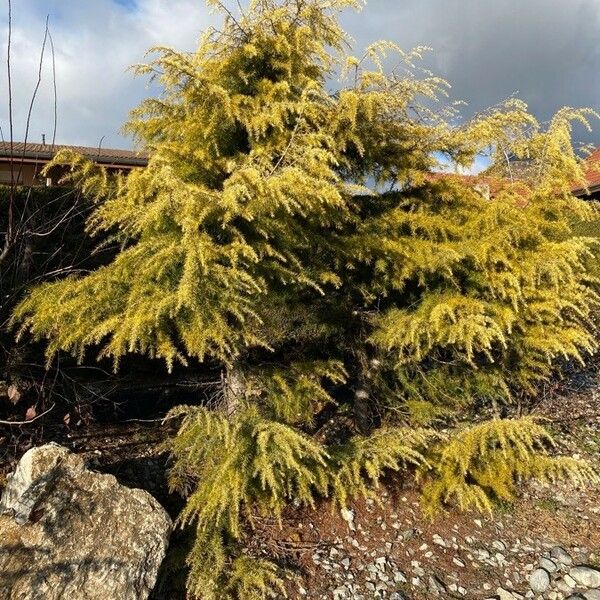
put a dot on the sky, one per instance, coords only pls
(547, 52)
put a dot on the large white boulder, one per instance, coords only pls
(67, 532)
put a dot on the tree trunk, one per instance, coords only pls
(365, 413)
(234, 388)
(362, 409)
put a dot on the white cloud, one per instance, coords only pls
(547, 50)
(95, 44)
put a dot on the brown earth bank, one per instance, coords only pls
(389, 549)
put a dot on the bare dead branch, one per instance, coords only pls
(54, 88)
(8, 235)
(20, 423)
(34, 96)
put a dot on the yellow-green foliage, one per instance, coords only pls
(233, 466)
(314, 243)
(295, 394)
(253, 579)
(241, 181)
(251, 188)
(93, 180)
(497, 289)
(358, 465)
(483, 463)
(244, 459)
(590, 228)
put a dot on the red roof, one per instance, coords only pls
(592, 175)
(489, 186)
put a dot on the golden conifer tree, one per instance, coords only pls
(301, 231)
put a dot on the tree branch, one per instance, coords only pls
(30, 420)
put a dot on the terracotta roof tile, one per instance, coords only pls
(592, 175)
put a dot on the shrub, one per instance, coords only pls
(355, 296)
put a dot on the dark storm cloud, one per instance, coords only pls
(546, 50)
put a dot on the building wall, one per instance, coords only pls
(25, 174)
(28, 173)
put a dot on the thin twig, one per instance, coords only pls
(162, 420)
(33, 97)
(55, 90)
(100, 146)
(11, 197)
(9, 73)
(289, 145)
(230, 15)
(36, 89)
(30, 420)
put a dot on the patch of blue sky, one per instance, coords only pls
(128, 4)
(480, 163)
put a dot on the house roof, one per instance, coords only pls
(45, 152)
(496, 184)
(592, 175)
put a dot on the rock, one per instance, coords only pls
(592, 594)
(419, 571)
(569, 581)
(67, 532)
(588, 577)
(564, 586)
(539, 581)
(504, 594)
(348, 516)
(437, 586)
(517, 577)
(547, 565)
(561, 556)
(399, 577)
